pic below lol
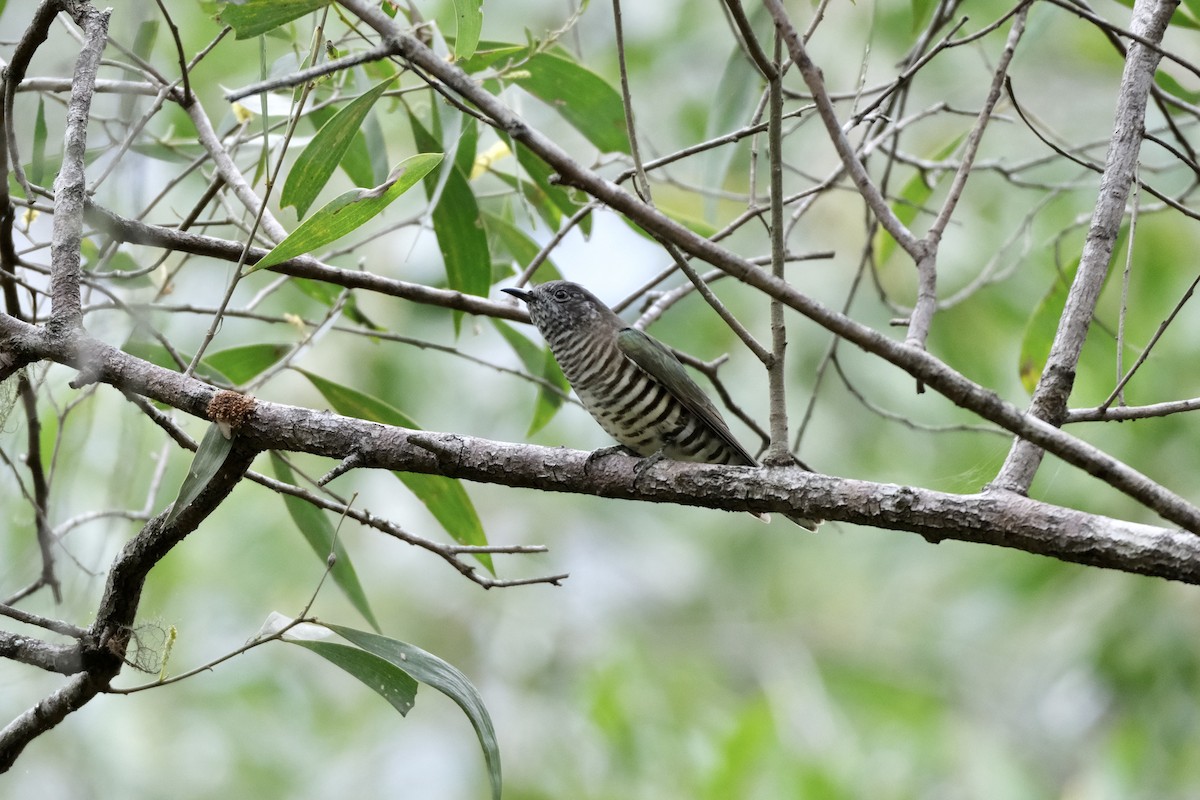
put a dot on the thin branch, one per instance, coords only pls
(922, 315)
(1049, 403)
(376, 53)
(777, 451)
(850, 160)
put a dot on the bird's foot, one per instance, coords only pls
(604, 452)
(646, 463)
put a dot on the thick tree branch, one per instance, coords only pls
(70, 188)
(1001, 518)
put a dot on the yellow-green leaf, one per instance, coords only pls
(445, 497)
(348, 211)
(314, 525)
(320, 158)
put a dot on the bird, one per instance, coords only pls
(631, 383)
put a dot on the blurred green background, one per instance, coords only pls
(691, 653)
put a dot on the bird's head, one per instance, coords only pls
(562, 306)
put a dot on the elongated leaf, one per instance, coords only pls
(348, 211)
(468, 15)
(582, 97)
(433, 671)
(738, 92)
(37, 164)
(519, 245)
(445, 497)
(457, 226)
(255, 17)
(392, 683)
(320, 158)
(314, 524)
(1042, 327)
(244, 363)
(913, 196)
(210, 455)
(357, 161)
(539, 172)
(538, 361)
(328, 294)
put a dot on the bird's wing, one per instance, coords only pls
(657, 359)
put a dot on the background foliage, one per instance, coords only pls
(691, 653)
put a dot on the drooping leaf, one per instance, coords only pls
(327, 149)
(255, 17)
(468, 15)
(584, 99)
(445, 497)
(314, 524)
(328, 294)
(1042, 327)
(392, 683)
(433, 671)
(348, 211)
(519, 245)
(210, 455)
(558, 196)
(538, 361)
(913, 196)
(738, 92)
(457, 225)
(37, 163)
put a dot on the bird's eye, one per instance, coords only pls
(561, 295)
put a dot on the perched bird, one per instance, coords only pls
(630, 382)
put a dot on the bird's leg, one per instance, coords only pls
(604, 452)
(646, 463)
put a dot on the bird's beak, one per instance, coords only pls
(520, 294)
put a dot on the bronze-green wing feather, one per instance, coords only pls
(657, 359)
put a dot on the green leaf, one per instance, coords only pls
(348, 211)
(313, 523)
(444, 497)
(457, 226)
(1188, 16)
(580, 96)
(210, 455)
(738, 92)
(37, 164)
(320, 158)
(1042, 327)
(519, 245)
(468, 15)
(327, 294)
(913, 196)
(143, 41)
(255, 17)
(538, 361)
(1176, 88)
(244, 363)
(433, 671)
(392, 683)
(560, 198)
